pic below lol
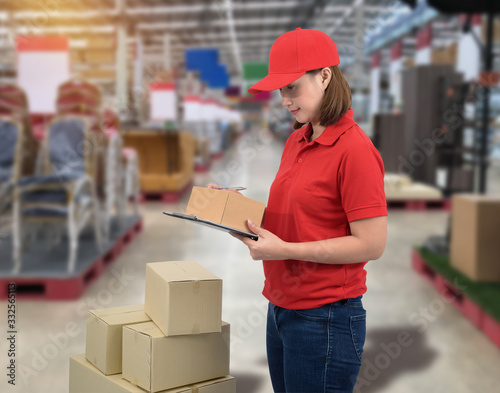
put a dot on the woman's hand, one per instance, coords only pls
(217, 187)
(268, 246)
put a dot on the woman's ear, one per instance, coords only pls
(326, 77)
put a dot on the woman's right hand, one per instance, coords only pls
(217, 187)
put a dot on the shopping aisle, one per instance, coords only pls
(400, 303)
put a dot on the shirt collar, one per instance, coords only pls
(331, 133)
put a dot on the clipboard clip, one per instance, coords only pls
(231, 188)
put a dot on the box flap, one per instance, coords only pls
(120, 315)
(147, 328)
(181, 271)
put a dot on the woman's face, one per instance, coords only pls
(303, 96)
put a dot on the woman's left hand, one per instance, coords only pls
(268, 246)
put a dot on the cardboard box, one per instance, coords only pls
(99, 56)
(156, 362)
(85, 378)
(183, 298)
(165, 76)
(104, 335)
(475, 224)
(444, 56)
(97, 73)
(225, 207)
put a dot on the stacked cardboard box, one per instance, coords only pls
(177, 342)
(475, 220)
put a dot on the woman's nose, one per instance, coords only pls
(285, 101)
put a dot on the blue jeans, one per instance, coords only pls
(316, 350)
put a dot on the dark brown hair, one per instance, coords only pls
(336, 101)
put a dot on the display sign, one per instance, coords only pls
(163, 102)
(43, 63)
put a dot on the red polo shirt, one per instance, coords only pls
(320, 187)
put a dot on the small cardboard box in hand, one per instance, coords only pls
(225, 207)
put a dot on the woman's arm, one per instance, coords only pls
(366, 242)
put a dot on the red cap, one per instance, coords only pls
(294, 53)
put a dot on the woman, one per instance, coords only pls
(324, 220)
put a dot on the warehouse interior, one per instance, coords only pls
(113, 112)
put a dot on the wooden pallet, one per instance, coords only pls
(472, 311)
(201, 168)
(419, 204)
(72, 286)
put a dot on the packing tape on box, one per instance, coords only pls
(195, 329)
(194, 388)
(196, 285)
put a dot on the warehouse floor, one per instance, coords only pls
(446, 354)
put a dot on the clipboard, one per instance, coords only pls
(210, 224)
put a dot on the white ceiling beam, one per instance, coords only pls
(218, 23)
(216, 7)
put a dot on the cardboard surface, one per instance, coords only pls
(104, 335)
(475, 225)
(225, 207)
(156, 362)
(85, 378)
(183, 298)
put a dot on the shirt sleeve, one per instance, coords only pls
(361, 183)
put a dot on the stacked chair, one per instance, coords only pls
(14, 105)
(79, 176)
(11, 135)
(116, 174)
(18, 147)
(65, 191)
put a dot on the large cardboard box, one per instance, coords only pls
(85, 378)
(166, 161)
(225, 207)
(183, 298)
(156, 362)
(475, 228)
(104, 335)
